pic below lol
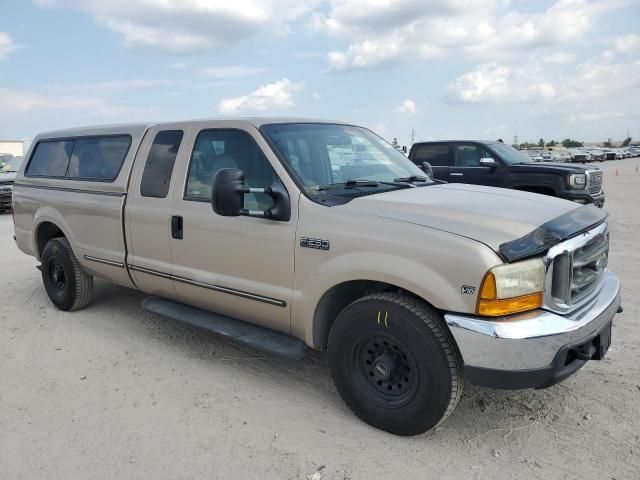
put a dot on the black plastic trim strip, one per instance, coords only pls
(215, 288)
(73, 190)
(102, 260)
(149, 271)
(558, 230)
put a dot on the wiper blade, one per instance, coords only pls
(412, 178)
(349, 184)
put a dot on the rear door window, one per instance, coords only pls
(98, 158)
(50, 159)
(436, 154)
(158, 169)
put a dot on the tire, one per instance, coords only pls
(69, 287)
(395, 363)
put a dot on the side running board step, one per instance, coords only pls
(258, 337)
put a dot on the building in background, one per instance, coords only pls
(12, 147)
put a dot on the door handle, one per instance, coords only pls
(457, 174)
(177, 230)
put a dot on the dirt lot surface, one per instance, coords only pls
(112, 392)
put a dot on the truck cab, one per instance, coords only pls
(499, 165)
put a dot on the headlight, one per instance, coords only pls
(577, 180)
(512, 288)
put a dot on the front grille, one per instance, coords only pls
(595, 182)
(575, 269)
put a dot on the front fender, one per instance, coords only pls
(438, 280)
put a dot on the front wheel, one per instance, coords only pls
(69, 287)
(395, 363)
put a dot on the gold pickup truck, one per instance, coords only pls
(290, 233)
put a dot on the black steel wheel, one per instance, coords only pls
(57, 277)
(385, 370)
(69, 287)
(395, 363)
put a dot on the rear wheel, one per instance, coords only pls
(395, 363)
(69, 287)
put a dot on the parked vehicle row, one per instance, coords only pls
(581, 155)
(584, 155)
(410, 284)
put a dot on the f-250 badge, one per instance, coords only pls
(316, 243)
(467, 290)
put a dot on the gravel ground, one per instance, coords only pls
(113, 392)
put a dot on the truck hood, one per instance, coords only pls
(551, 167)
(7, 177)
(493, 216)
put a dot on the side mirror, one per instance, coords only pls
(229, 189)
(427, 169)
(404, 149)
(488, 162)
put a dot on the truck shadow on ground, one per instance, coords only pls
(480, 412)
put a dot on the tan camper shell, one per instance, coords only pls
(291, 233)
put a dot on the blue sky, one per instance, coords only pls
(445, 68)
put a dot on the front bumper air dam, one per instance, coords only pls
(535, 349)
(584, 198)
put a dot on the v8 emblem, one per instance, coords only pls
(467, 290)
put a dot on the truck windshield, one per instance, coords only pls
(342, 158)
(509, 154)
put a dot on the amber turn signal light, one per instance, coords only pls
(507, 306)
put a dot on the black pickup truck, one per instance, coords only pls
(499, 165)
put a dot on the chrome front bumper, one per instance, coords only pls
(531, 341)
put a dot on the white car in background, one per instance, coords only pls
(580, 156)
(597, 154)
(559, 157)
(535, 155)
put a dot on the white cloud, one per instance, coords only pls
(24, 101)
(408, 106)
(628, 43)
(558, 58)
(190, 25)
(277, 95)
(7, 46)
(368, 53)
(594, 117)
(94, 98)
(602, 77)
(375, 16)
(501, 83)
(565, 21)
(231, 71)
(112, 86)
(384, 32)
